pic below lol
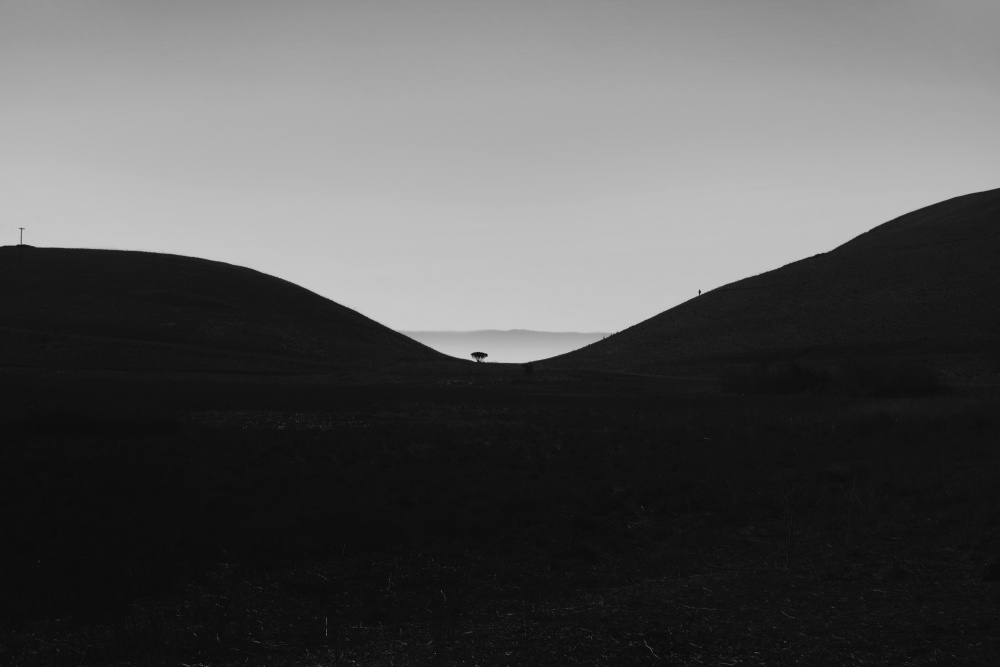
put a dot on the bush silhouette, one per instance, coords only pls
(479, 356)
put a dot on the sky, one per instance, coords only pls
(560, 165)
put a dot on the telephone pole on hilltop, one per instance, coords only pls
(21, 241)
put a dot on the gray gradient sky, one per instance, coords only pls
(552, 164)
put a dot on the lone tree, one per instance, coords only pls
(479, 356)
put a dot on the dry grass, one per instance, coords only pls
(537, 522)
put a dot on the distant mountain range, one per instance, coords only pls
(511, 346)
(923, 287)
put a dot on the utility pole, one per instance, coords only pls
(21, 242)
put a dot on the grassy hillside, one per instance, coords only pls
(599, 521)
(123, 310)
(461, 514)
(924, 285)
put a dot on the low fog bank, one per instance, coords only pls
(514, 346)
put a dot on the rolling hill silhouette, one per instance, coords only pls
(926, 285)
(125, 310)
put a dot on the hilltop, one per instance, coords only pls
(124, 310)
(925, 285)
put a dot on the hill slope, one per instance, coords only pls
(926, 283)
(123, 310)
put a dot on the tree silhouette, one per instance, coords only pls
(479, 356)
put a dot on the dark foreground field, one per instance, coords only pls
(493, 518)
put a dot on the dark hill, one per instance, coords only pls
(123, 310)
(926, 285)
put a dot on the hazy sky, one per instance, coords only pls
(545, 164)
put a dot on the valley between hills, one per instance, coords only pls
(203, 464)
